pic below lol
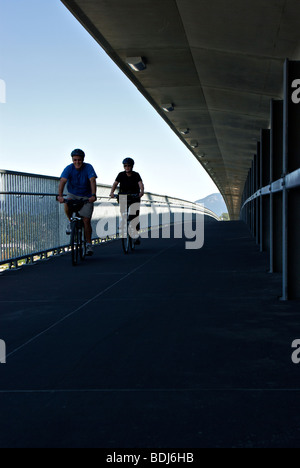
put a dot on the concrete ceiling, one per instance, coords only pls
(219, 62)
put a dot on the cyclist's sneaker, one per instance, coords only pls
(69, 229)
(138, 241)
(89, 250)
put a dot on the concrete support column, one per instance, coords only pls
(265, 200)
(276, 171)
(244, 212)
(291, 199)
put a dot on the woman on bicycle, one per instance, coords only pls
(81, 179)
(130, 183)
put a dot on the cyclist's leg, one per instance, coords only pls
(88, 230)
(124, 228)
(136, 217)
(74, 242)
(123, 220)
(87, 222)
(87, 212)
(138, 240)
(68, 211)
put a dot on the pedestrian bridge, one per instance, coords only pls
(169, 347)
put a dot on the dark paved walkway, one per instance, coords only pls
(164, 348)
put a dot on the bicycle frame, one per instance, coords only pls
(77, 242)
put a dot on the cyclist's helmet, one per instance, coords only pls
(78, 152)
(129, 161)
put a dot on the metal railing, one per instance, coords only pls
(33, 223)
(288, 182)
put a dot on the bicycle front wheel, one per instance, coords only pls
(126, 244)
(126, 239)
(82, 244)
(132, 244)
(75, 244)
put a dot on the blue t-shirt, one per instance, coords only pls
(79, 183)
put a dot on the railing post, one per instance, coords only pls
(265, 200)
(291, 201)
(248, 207)
(276, 170)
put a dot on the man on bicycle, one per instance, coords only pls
(81, 179)
(130, 184)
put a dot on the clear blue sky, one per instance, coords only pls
(63, 92)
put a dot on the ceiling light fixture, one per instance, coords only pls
(194, 144)
(168, 107)
(184, 131)
(136, 63)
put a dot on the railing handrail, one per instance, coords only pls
(28, 174)
(289, 181)
(168, 200)
(151, 202)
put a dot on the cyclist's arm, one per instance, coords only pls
(142, 189)
(94, 186)
(113, 189)
(61, 188)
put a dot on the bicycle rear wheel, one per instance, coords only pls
(75, 244)
(131, 235)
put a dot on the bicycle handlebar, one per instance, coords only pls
(75, 205)
(68, 201)
(128, 195)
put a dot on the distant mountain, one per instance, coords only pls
(215, 203)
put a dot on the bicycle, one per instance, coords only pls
(127, 232)
(77, 242)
